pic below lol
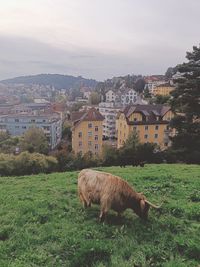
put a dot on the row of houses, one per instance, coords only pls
(151, 122)
(124, 97)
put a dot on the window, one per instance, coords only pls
(167, 127)
(96, 137)
(46, 128)
(96, 146)
(89, 125)
(80, 134)
(156, 135)
(166, 144)
(156, 127)
(32, 120)
(23, 127)
(44, 120)
(96, 128)
(89, 143)
(135, 119)
(89, 134)
(145, 136)
(16, 127)
(80, 144)
(16, 120)
(146, 127)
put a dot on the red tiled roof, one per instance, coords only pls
(91, 115)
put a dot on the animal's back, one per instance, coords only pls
(96, 185)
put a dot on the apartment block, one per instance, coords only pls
(18, 124)
(87, 132)
(151, 122)
(109, 110)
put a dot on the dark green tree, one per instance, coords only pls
(128, 153)
(162, 99)
(186, 106)
(170, 72)
(34, 140)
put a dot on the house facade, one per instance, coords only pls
(109, 110)
(87, 132)
(18, 124)
(151, 122)
(130, 96)
(163, 89)
(110, 96)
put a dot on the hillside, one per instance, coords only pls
(42, 222)
(56, 80)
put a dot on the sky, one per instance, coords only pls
(96, 39)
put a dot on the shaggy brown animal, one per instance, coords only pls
(111, 192)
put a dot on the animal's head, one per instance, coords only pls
(142, 207)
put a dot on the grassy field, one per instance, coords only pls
(42, 222)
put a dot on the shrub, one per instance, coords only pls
(26, 163)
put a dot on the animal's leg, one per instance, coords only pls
(86, 203)
(102, 216)
(104, 210)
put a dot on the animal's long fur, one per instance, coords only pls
(111, 192)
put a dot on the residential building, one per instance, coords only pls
(151, 122)
(110, 96)
(129, 97)
(154, 81)
(87, 132)
(163, 89)
(87, 94)
(18, 124)
(109, 110)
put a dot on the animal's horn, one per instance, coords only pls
(152, 205)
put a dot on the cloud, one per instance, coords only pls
(96, 39)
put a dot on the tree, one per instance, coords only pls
(161, 99)
(128, 153)
(110, 156)
(3, 136)
(186, 105)
(95, 98)
(66, 131)
(170, 72)
(139, 85)
(34, 140)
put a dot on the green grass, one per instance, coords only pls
(42, 222)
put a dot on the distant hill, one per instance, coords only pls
(56, 80)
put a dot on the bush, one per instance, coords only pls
(26, 163)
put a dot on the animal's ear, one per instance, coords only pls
(142, 204)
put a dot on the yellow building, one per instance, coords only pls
(87, 132)
(151, 122)
(163, 89)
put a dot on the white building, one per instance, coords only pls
(86, 94)
(151, 85)
(110, 96)
(109, 110)
(130, 96)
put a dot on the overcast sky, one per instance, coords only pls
(96, 38)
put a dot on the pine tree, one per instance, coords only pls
(186, 105)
